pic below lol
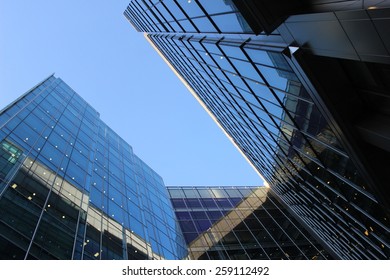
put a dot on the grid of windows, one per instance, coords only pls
(197, 209)
(247, 84)
(194, 16)
(240, 223)
(71, 188)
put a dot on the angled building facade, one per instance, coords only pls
(240, 223)
(71, 188)
(301, 88)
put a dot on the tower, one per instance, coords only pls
(301, 89)
(71, 188)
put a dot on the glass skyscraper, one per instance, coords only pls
(302, 89)
(240, 223)
(71, 188)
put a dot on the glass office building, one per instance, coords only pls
(71, 188)
(302, 89)
(240, 223)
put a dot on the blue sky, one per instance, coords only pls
(92, 47)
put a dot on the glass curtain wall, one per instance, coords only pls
(71, 188)
(246, 82)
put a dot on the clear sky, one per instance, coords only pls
(92, 47)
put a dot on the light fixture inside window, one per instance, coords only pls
(14, 186)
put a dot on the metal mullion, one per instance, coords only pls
(281, 104)
(147, 19)
(258, 220)
(176, 21)
(225, 74)
(271, 199)
(262, 105)
(137, 15)
(152, 7)
(51, 187)
(264, 108)
(311, 138)
(133, 21)
(208, 17)
(259, 139)
(187, 17)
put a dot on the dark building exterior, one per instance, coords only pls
(302, 88)
(71, 188)
(240, 223)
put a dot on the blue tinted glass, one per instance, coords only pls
(202, 225)
(123, 189)
(187, 25)
(204, 24)
(189, 236)
(96, 197)
(232, 23)
(213, 7)
(198, 215)
(191, 8)
(214, 214)
(193, 202)
(223, 202)
(183, 215)
(187, 226)
(209, 203)
(174, 9)
(137, 227)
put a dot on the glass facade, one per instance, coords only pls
(247, 83)
(185, 16)
(240, 223)
(71, 188)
